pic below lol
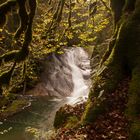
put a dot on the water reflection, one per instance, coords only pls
(36, 122)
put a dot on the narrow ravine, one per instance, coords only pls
(67, 80)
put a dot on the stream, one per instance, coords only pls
(66, 82)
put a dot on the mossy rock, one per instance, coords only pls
(133, 105)
(135, 131)
(16, 106)
(60, 118)
(72, 122)
(63, 116)
(93, 110)
(3, 102)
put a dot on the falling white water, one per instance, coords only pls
(66, 75)
(80, 66)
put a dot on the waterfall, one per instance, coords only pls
(80, 69)
(66, 75)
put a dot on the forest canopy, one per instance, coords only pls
(57, 24)
(31, 30)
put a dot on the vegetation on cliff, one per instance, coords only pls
(77, 23)
(57, 24)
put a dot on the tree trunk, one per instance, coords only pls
(124, 59)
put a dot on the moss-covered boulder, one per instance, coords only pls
(9, 108)
(61, 117)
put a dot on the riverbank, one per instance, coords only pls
(12, 105)
(67, 81)
(111, 125)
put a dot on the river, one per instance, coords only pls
(68, 80)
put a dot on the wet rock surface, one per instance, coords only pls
(57, 79)
(113, 125)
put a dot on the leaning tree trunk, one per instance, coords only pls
(124, 58)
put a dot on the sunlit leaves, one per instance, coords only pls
(83, 37)
(69, 35)
(37, 134)
(90, 26)
(83, 32)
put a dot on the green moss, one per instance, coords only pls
(106, 82)
(60, 118)
(71, 122)
(3, 102)
(16, 55)
(16, 106)
(135, 131)
(128, 44)
(133, 106)
(6, 100)
(124, 59)
(9, 56)
(93, 110)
